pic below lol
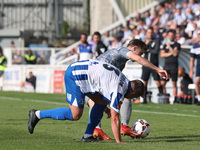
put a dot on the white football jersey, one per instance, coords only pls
(94, 76)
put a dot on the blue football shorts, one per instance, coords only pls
(74, 96)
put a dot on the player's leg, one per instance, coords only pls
(94, 118)
(163, 84)
(145, 77)
(156, 78)
(74, 97)
(197, 88)
(174, 84)
(125, 112)
(174, 76)
(98, 132)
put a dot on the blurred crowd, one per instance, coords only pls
(183, 16)
(171, 25)
(29, 56)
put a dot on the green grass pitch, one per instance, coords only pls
(173, 127)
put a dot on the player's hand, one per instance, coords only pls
(163, 74)
(107, 111)
(122, 142)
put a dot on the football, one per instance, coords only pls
(141, 127)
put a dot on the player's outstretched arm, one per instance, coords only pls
(144, 62)
(115, 123)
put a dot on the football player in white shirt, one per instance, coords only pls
(100, 81)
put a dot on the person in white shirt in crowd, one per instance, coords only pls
(180, 39)
(147, 18)
(163, 19)
(194, 6)
(106, 38)
(84, 50)
(116, 42)
(179, 18)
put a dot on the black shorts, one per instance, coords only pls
(146, 74)
(173, 72)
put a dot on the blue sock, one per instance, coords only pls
(61, 113)
(95, 117)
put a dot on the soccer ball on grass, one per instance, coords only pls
(141, 127)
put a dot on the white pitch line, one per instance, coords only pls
(32, 100)
(163, 113)
(60, 103)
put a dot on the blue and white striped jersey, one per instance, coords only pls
(93, 76)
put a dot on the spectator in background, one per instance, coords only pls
(126, 33)
(147, 18)
(100, 48)
(30, 58)
(164, 35)
(3, 62)
(130, 23)
(142, 25)
(84, 50)
(184, 4)
(170, 52)
(106, 38)
(151, 55)
(189, 28)
(157, 34)
(194, 6)
(179, 18)
(185, 81)
(43, 58)
(197, 21)
(195, 54)
(136, 34)
(12, 46)
(163, 21)
(137, 19)
(17, 58)
(29, 84)
(189, 14)
(116, 42)
(180, 39)
(155, 18)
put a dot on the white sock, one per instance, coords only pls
(37, 113)
(87, 135)
(198, 97)
(125, 112)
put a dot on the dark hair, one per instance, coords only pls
(151, 28)
(138, 87)
(139, 43)
(171, 30)
(84, 34)
(97, 33)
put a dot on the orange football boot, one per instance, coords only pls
(126, 130)
(100, 135)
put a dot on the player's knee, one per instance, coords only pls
(197, 82)
(77, 117)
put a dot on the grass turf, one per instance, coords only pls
(172, 126)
